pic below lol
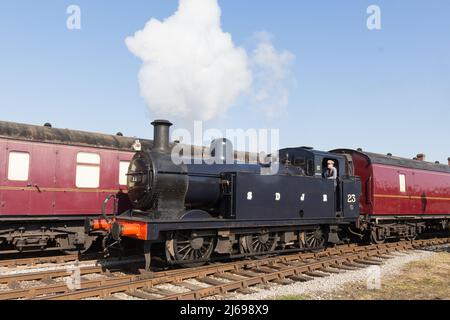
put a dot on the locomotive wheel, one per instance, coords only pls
(377, 237)
(412, 236)
(185, 248)
(313, 239)
(263, 242)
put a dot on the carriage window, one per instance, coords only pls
(18, 166)
(88, 170)
(123, 170)
(402, 178)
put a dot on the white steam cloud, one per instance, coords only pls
(192, 69)
(271, 72)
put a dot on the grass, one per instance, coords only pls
(420, 280)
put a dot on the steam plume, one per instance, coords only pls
(192, 69)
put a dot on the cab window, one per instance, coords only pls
(310, 167)
(325, 164)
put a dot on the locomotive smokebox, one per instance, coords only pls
(161, 129)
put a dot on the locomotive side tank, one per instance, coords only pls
(200, 210)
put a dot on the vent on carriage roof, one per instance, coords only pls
(47, 125)
(421, 157)
(119, 134)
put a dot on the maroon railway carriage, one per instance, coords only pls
(51, 179)
(400, 197)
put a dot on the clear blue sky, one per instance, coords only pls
(384, 91)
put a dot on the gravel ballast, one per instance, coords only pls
(320, 287)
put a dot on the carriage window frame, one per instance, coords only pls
(402, 182)
(15, 173)
(88, 170)
(123, 170)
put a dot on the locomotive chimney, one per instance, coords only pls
(161, 135)
(421, 157)
(448, 161)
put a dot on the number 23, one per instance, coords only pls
(351, 198)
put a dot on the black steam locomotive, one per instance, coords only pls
(200, 211)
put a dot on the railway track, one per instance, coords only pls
(10, 263)
(50, 272)
(216, 279)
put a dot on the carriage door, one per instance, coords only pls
(16, 185)
(405, 203)
(124, 202)
(42, 179)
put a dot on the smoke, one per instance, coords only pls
(271, 73)
(192, 70)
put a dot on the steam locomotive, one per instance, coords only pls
(196, 212)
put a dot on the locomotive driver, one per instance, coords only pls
(331, 172)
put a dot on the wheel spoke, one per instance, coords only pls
(310, 241)
(184, 248)
(186, 254)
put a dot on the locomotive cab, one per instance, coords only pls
(313, 163)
